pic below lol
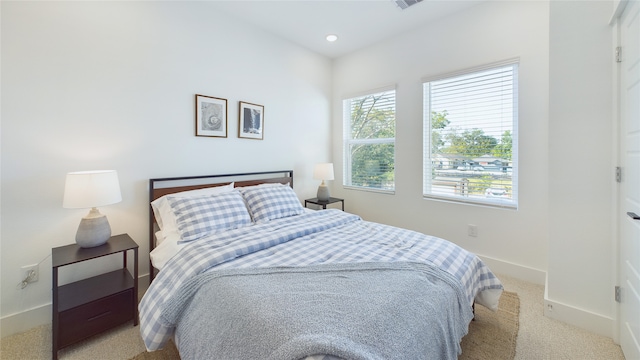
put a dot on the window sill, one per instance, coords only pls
(474, 202)
(379, 191)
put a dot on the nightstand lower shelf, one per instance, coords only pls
(94, 288)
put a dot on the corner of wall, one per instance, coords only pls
(525, 273)
(584, 319)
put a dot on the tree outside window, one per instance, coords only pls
(369, 137)
(469, 138)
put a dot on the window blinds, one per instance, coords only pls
(470, 136)
(369, 141)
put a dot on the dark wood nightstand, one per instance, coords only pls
(324, 203)
(87, 307)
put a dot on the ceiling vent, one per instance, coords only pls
(403, 4)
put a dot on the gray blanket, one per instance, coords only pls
(352, 311)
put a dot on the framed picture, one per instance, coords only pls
(211, 116)
(251, 121)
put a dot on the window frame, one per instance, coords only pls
(347, 141)
(427, 162)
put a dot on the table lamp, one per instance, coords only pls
(90, 189)
(323, 172)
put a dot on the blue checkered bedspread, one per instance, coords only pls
(328, 236)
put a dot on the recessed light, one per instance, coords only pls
(332, 37)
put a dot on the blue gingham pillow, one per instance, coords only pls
(197, 217)
(271, 202)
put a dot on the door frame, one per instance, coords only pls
(618, 10)
(620, 6)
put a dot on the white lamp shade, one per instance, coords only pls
(87, 189)
(323, 171)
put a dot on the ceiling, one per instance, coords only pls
(358, 23)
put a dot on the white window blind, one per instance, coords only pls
(470, 136)
(369, 141)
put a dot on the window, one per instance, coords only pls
(369, 141)
(470, 136)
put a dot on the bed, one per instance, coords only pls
(245, 272)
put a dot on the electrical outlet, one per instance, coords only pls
(472, 230)
(30, 273)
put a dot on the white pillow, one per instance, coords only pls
(162, 210)
(165, 250)
(271, 202)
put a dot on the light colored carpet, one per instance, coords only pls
(492, 335)
(541, 337)
(122, 342)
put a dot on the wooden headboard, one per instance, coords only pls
(164, 186)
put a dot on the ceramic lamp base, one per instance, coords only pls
(323, 193)
(93, 232)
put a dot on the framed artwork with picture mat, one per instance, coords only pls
(211, 116)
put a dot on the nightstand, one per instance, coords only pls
(87, 307)
(324, 203)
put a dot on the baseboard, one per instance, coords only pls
(25, 320)
(584, 319)
(525, 273)
(41, 315)
(565, 313)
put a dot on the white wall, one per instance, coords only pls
(111, 85)
(581, 265)
(486, 33)
(562, 226)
